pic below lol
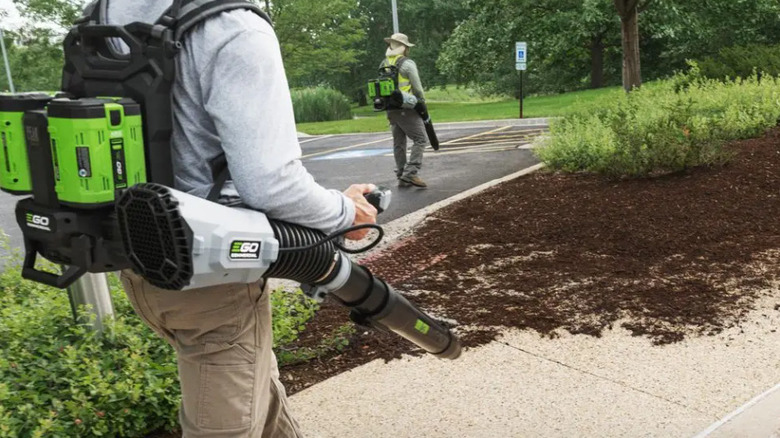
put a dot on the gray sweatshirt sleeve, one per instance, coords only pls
(245, 91)
(409, 69)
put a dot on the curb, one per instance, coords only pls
(537, 122)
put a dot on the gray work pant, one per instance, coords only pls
(222, 335)
(407, 123)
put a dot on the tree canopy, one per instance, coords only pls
(573, 44)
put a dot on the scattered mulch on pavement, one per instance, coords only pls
(668, 257)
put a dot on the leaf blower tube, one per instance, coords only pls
(178, 241)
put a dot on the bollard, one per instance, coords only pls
(92, 290)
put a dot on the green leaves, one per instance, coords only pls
(320, 104)
(36, 62)
(319, 40)
(59, 12)
(667, 126)
(58, 379)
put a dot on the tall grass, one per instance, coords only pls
(320, 105)
(677, 124)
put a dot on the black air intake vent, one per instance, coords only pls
(157, 240)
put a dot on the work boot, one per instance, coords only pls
(413, 180)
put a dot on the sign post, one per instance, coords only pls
(521, 63)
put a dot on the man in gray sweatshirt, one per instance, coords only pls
(231, 96)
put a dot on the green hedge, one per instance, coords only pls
(320, 105)
(664, 127)
(59, 379)
(741, 62)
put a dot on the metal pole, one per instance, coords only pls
(521, 93)
(395, 16)
(7, 66)
(92, 290)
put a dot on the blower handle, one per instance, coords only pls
(80, 244)
(380, 198)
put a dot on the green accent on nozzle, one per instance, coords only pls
(422, 327)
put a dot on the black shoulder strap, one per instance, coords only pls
(401, 62)
(91, 13)
(183, 15)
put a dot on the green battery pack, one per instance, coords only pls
(381, 87)
(14, 167)
(97, 149)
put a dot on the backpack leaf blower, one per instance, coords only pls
(386, 95)
(179, 242)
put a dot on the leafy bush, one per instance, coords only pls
(57, 378)
(664, 127)
(741, 61)
(320, 105)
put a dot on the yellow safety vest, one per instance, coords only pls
(404, 84)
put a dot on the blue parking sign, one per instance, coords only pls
(521, 51)
(521, 55)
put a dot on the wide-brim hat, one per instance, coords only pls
(399, 38)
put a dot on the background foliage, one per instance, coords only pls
(320, 104)
(573, 44)
(668, 126)
(57, 378)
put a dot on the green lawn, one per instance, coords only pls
(543, 106)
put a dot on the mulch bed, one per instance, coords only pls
(668, 257)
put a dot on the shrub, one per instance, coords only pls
(741, 61)
(320, 105)
(663, 128)
(57, 378)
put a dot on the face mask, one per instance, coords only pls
(395, 49)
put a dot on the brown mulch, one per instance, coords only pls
(668, 257)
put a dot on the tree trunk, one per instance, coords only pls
(596, 63)
(632, 73)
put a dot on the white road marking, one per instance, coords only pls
(330, 151)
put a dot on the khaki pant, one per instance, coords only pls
(407, 123)
(222, 335)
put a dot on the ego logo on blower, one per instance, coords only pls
(245, 250)
(39, 222)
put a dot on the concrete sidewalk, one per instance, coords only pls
(571, 386)
(760, 418)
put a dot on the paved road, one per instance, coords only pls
(469, 156)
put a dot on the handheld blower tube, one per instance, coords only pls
(179, 242)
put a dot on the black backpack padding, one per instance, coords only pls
(146, 74)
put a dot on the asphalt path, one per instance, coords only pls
(468, 157)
